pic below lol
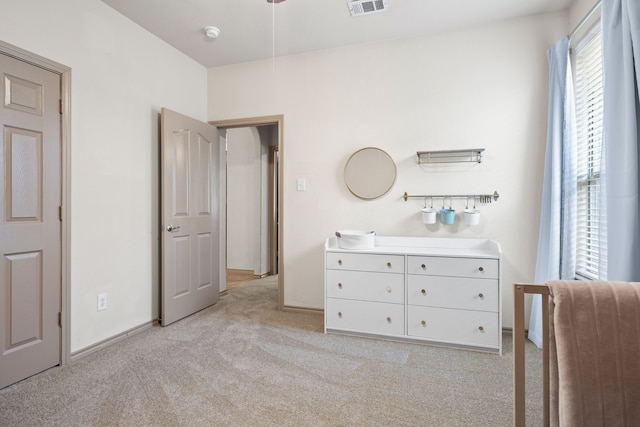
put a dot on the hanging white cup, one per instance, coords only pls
(471, 216)
(429, 215)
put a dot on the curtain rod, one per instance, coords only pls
(585, 19)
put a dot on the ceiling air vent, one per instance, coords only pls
(365, 7)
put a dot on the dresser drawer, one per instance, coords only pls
(367, 317)
(477, 328)
(360, 285)
(365, 262)
(481, 268)
(453, 292)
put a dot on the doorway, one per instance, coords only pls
(270, 181)
(251, 206)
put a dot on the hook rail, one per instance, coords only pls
(483, 198)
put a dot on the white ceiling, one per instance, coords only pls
(255, 29)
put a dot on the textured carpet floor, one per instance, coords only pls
(243, 363)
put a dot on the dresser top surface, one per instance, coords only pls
(426, 246)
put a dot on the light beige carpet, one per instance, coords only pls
(243, 363)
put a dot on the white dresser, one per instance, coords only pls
(444, 291)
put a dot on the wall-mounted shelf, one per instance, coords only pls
(471, 155)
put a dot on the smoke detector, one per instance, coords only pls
(211, 31)
(366, 7)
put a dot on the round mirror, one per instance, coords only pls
(370, 173)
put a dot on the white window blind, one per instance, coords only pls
(589, 107)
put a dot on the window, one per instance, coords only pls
(587, 57)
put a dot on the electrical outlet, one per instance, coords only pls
(102, 302)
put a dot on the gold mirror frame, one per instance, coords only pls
(370, 173)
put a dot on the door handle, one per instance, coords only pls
(172, 228)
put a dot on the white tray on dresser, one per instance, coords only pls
(443, 291)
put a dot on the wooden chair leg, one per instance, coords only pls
(518, 356)
(519, 407)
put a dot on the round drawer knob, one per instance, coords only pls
(423, 323)
(388, 319)
(424, 267)
(389, 264)
(481, 269)
(481, 328)
(423, 292)
(339, 314)
(339, 285)
(339, 262)
(389, 289)
(481, 295)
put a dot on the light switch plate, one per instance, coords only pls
(102, 302)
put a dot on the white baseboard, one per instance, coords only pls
(107, 342)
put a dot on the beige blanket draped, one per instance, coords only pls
(595, 340)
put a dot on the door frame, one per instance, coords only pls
(65, 158)
(274, 208)
(277, 120)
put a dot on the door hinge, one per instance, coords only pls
(60, 319)
(60, 105)
(60, 213)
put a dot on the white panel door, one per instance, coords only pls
(190, 215)
(30, 198)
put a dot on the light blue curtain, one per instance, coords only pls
(621, 62)
(556, 238)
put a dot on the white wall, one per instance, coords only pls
(481, 87)
(578, 10)
(243, 237)
(121, 77)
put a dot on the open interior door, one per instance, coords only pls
(190, 216)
